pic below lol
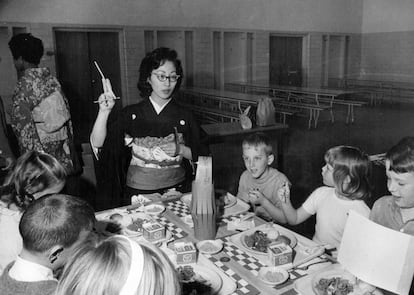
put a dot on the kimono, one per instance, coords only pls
(131, 155)
(35, 92)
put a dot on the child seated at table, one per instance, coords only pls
(260, 182)
(51, 228)
(34, 175)
(345, 176)
(121, 266)
(397, 210)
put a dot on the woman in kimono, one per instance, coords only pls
(147, 146)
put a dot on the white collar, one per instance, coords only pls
(157, 107)
(27, 271)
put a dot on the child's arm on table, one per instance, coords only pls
(256, 197)
(293, 216)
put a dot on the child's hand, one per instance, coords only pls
(255, 196)
(284, 193)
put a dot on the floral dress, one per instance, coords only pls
(31, 90)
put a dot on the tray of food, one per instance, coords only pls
(204, 277)
(255, 242)
(334, 279)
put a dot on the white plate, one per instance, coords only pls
(291, 237)
(135, 217)
(154, 209)
(273, 275)
(210, 246)
(208, 277)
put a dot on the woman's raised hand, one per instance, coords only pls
(107, 99)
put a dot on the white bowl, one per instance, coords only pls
(273, 275)
(210, 246)
(154, 209)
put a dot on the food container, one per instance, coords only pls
(153, 231)
(210, 246)
(186, 252)
(279, 254)
(273, 275)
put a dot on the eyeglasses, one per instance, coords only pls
(163, 77)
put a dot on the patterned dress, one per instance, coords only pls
(34, 87)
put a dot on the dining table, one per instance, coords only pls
(237, 267)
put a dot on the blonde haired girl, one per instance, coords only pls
(346, 186)
(119, 266)
(35, 174)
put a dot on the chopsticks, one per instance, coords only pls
(103, 79)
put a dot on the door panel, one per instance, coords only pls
(71, 58)
(81, 83)
(104, 49)
(285, 60)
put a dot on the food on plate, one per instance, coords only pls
(116, 217)
(273, 276)
(334, 286)
(283, 239)
(172, 193)
(136, 224)
(195, 288)
(257, 241)
(191, 282)
(186, 273)
(208, 247)
(273, 234)
(154, 209)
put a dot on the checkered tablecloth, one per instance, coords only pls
(253, 265)
(233, 252)
(177, 232)
(178, 208)
(243, 287)
(181, 210)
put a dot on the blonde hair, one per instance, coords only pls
(351, 169)
(102, 268)
(33, 172)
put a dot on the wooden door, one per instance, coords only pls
(285, 60)
(81, 83)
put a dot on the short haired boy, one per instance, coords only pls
(260, 183)
(397, 211)
(51, 228)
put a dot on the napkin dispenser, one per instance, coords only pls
(203, 197)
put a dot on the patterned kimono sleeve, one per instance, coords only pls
(23, 124)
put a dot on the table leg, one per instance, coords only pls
(316, 117)
(310, 119)
(352, 114)
(348, 115)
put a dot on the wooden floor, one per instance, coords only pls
(376, 129)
